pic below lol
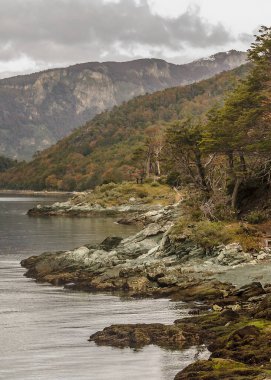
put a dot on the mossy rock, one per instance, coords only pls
(217, 369)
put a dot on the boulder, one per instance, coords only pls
(250, 290)
(140, 335)
(110, 243)
(264, 308)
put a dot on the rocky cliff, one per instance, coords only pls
(38, 109)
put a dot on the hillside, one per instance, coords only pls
(37, 110)
(103, 149)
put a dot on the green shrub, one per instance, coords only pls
(256, 217)
(210, 234)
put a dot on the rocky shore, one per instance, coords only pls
(234, 323)
(68, 208)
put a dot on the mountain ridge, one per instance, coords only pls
(38, 109)
(102, 150)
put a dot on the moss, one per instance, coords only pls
(217, 369)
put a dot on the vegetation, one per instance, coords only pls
(113, 194)
(228, 150)
(6, 163)
(215, 148)
(209, 234)
(120, 145)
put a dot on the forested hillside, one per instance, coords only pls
(110, 147)
(38, 109)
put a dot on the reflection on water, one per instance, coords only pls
(44, 329)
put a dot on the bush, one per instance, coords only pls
(210, 234)
(256, 217)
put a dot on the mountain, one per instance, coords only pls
(103, 149)
(38, 109)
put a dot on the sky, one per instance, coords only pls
(40, 34)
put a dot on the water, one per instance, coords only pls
(44, 329)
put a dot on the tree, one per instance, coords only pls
(183, 142)
(241, 129)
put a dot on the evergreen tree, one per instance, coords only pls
(241, 129)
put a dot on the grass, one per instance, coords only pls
(113, 194)
(209, 234)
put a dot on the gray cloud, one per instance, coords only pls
(69, 31)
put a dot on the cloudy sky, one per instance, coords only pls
(39, 34)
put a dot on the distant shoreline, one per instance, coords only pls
(34, 192)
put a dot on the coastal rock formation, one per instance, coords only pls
(239, 345)
(140, 335)
(234, 324)
(150, 263)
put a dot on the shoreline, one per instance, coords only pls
(35, 192)
(152, 264)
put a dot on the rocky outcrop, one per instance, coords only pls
(239, 345)
(234, 324)
(37, 110)
(140, 335)
(132, 212)
(150, 263)
(217, 369)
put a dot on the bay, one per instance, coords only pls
(44, 329)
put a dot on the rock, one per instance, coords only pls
(267, 288)
(217, 369)
(256, 298)
(262, 256)
(81, 251)
(70, 285)
(201, 290)
(231, 255)
(167, 280)
(245, 332)
(155, 272)
(140, 335)
(235, 307)
(250, 290)
(217, 308)
(264, 308)
(110, 243)
(230, 315)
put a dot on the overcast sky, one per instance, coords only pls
(39, 34)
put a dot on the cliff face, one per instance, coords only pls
(38, 109)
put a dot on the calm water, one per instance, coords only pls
(44, 329)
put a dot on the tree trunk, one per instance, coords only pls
(158, 170)
(201, 170)
(234, 196)
(230, 158)
(243, 162)
(148, 165)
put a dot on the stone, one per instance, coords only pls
(250, 290)
(218, 369)
(140, 335)
(110, 243)
(167, 280)
(217, 308)
(262, 256)
(264, 308)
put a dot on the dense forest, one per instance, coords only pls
(121, 143)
